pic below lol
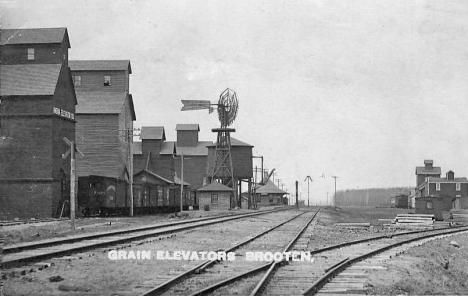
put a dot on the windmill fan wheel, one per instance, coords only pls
(227, 107)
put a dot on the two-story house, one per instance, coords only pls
(104, 128)
(37, 110)
(453, 191)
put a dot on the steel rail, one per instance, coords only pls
(15, 262)
(337, 268)
(199, 268)
(265, 279)
(52, 242)
(274, 266)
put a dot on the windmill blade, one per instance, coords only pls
(195, 105)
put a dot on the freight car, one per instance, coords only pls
(104, 196)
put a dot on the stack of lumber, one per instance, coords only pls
(459, 215)
(353, 224)
(414, 220)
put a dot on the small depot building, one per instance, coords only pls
(215, 196)
(430, 205)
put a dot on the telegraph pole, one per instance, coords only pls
(71, 152)
(181, 179)
(297, 196)
(308, 179)
(334, 198)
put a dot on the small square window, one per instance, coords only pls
(77, 80)
(429, 205)
(214, 198)
(107, 81)
(30, 54)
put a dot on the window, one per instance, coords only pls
(107, 80)
(437, 186)
(259, 198)
(30, 54)
(77, 80)
(214, 198)
(271, 199)
(458, 186)
(429, 205)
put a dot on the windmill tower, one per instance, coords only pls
(227, 107)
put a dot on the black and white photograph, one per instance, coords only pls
(233, 147)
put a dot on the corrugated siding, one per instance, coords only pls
(97, 136)
(94, 81)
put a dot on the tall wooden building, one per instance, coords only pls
(37, 110)
(104, 129)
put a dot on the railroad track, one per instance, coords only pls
(303, 278)
(26, 253)
(31, 221)
(216, 274)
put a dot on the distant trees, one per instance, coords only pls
(369, 197)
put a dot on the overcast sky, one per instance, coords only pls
(365, 90)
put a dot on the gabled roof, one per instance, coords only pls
(187, 127)
(29, 80)
(152, 133)
(100, 102)
(270, 187)
(136, 148)
(215, 187)
(100, 65)
(177, 181)
(424, 171)
(34, 36)
(235, 142)
(445, 180)
(154, 175)
(167, 148)
(200, 150)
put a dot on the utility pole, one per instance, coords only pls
(71, 152)
(181, 179)
(308, 179)
(297, 196)
(335, 177)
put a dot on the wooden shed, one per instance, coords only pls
(269, 194)
(215, 196)
(430, 205)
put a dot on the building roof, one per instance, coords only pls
(200, 150)
(187, 127)
(155, 175)
(136, 148)
(270, 187)
(100, 65)
(100, 102)
(34, 36)
(177, 181)
(445, 180)
(424, 171)
(235, 142)
(29, 80)
(152, 133)
(215, 187)
(167, 148)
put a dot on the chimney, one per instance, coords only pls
(450, 175)
(428, 164)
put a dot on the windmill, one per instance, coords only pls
(227, 107)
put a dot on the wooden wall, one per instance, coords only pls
(94, 81)
(43, 54)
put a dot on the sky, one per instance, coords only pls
(361, 89)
